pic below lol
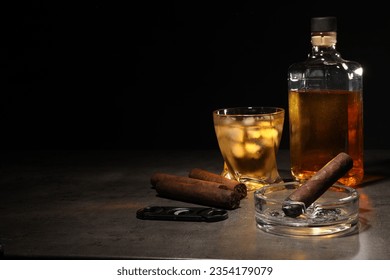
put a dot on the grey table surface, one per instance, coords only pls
(82, 205)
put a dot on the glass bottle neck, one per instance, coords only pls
(324, 49)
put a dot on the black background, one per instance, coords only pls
(128, 75)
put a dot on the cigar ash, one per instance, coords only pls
(293, 208)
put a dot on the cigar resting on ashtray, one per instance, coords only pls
(295, 204)
(195, 191)
(233, 185)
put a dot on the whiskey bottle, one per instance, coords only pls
(325, 105)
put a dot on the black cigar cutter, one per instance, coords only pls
(194, 214)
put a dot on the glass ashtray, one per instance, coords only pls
(334, 213)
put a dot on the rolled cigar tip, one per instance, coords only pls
(234, 185)
(317, 185)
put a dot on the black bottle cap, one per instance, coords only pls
(324, 24)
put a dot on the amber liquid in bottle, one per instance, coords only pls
(323, 124)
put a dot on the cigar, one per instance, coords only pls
(195, 191)
(296, 203)
(233, 185)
